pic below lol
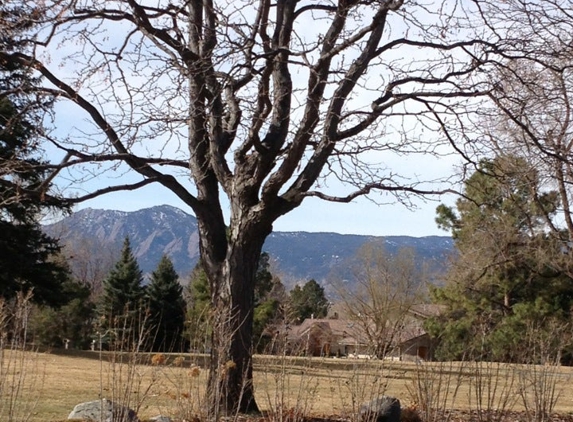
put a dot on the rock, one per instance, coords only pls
(382, 409)
(161, 418)
(103, 411)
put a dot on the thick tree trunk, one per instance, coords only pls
(230, 387)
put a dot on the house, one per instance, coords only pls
(327, 337)
(340, 337)
(413, 341)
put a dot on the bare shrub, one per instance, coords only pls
(21, 376)
(539, 370)
(123, 378)
(434, 388)
(492, 390)
(288, 376)
(366, 381)
(183, 380)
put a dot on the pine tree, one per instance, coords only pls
(502, 283)
(308, 301)
(25, 252)
(72, 321)
(263, 279)
(123, 293)
(198, 313)
(166, 307)
(269, 298)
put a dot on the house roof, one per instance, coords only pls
(348, 332)
(410, 331)
(426, 310)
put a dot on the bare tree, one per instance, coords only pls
(257, 102)
(531, 112)
(90, 262)
(533, 120)
(382, 291)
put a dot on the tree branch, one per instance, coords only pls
(381, 187)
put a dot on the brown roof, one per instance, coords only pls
(410, 331)
(426, 310)
(349, 332)
(343, 329)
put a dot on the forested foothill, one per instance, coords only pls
(245, 109)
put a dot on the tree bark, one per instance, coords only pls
(230, 388)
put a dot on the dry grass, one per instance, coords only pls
(71, 379)
(324, 386)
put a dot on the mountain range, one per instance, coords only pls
(295, 256)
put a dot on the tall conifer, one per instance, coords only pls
(308, 301)
(166, 307)
(26, 253)
(503, 284)
(122, 289)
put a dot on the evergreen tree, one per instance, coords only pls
(25, 191)
(308, 301)
(199, 310)
(72, 321)
(269, 298)
(263, 279)
(502, 283)
(122, 290)
(166, 307)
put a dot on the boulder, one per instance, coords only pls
(103, 410)
(161, 418)
(381, 409)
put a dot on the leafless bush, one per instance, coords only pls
(538, 390)
(434, 388)
(539, 370)
(122, 377)
(21, 375)
(290, 386)
(184, 377)
(492, 390)
(183, 384)
(365, 381)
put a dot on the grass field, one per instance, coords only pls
(58, 381)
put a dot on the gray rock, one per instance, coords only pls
(382, 409)
(103, 410)
(161, 418)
